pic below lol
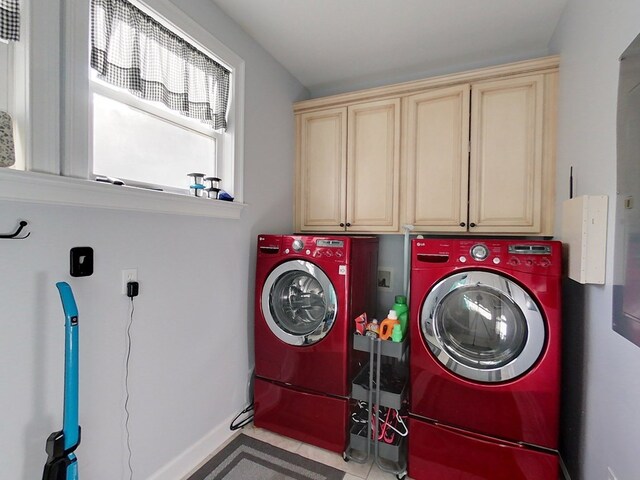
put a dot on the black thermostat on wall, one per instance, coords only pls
(81, 261)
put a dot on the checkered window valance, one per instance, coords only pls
(10, 20)
(131, 50)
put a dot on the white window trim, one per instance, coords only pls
(48, 189)
(58, 138)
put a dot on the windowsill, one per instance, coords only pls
(53, 189)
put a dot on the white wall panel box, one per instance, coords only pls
(584, 231)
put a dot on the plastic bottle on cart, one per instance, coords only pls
(373, 329)
(396, 334)
(386, 326)
(402, 309)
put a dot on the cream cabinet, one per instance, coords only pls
(348, 168)
(507, 156)
(468, 153)
(436, 183)
(322, 166)
(479, 157)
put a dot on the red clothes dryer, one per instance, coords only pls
(485, 359)
(309, 289)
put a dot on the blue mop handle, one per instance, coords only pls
(70, 418)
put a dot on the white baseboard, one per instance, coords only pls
(186, 463)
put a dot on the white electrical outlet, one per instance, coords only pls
(128, 275)
(611, 475)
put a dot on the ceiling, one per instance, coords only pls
(332, 45)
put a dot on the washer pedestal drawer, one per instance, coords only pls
(438, 452)
(311, 418)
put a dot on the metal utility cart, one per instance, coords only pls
(387, 364)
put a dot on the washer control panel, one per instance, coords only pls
(531, 256)
(304, 246)
(329, 248)
(333, 249)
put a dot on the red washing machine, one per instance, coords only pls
(485, 359)
(309, 289)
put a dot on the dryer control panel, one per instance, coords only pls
(539, 257)
(304, 246)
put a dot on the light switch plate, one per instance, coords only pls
(81, 262)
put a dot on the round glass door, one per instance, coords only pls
(482, 326)
(299, 303)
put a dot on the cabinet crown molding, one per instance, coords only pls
(539, 65)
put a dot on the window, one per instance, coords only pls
(159, 102)
(72, 115)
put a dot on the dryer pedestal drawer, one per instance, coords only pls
(437, 452)
(311, 418)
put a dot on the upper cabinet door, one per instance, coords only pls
(437, 159)
(506, 155)
(373, 166)
(322, 167)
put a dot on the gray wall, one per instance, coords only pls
(192, 328)
(390, 258)
(602, 419)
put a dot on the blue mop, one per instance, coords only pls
(62, 463)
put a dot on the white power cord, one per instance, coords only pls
(126, 390)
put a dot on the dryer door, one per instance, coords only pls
(299, 303)
(483, 326)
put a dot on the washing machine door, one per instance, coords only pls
(482, 326)
(299, 303)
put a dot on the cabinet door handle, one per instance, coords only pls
(342, 225)
(348, 224)
(462, 224)
(472, 224)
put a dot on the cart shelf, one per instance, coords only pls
(381, 383)
(388, 348)
(391, 395)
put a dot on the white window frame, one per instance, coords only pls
(58, 134)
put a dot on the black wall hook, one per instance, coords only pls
(14, 235)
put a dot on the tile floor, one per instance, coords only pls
(355, 471)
